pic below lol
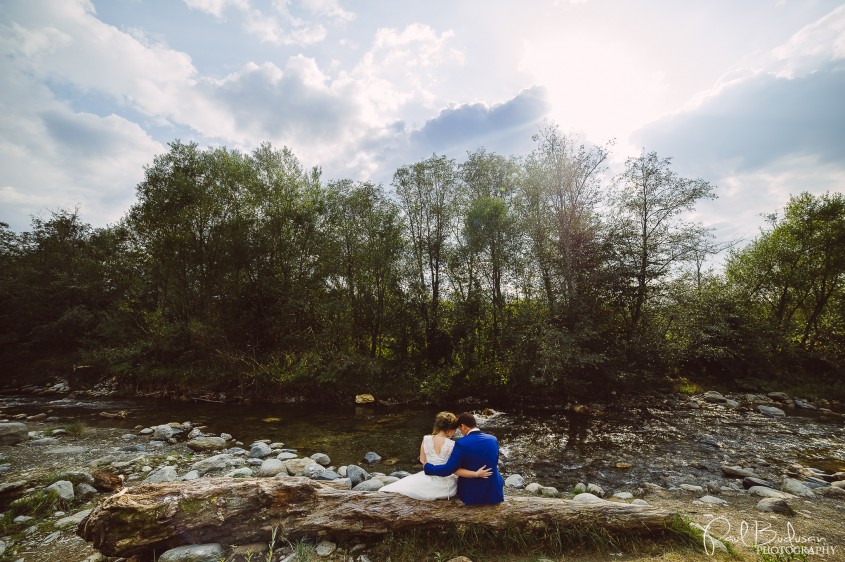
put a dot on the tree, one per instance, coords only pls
(366, 232)
(426, 190)
(795, 271)
(654, 235)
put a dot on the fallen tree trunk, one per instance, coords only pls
(239, 511)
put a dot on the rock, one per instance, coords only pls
(586, 498)
(44, 442)
(771, 411)
(830, 492)
(778, 396)
(515, 481)
(692, 488)
(321, 458)
(190, 475)
(365, 399)
(296, 467)
(162, 474)
(63, 490)
(206, 444)
(549, 491)
(271, 467)
(774, 505)
(240, 473)
(640, 502)
(194, 433)
(194, 553)
(72, 520)
(400, 474)
(751, 481)
(106, 481)
(12, 433)
(286, 456)
(804, 405)
(372, 458)
(596, 490)
(765, 492)
(217, 462)
(732, 404)
(162, 432)
(325, 548)
(579, 488)
(737, 472)
(838, 484)
(331, 475)
(623, 495)
(37, 417)
(260, 450)
(226, 436)
(714, 397)
(370, 485)
(21, 519)
(313, 471)
(794, 487)
(84, 491)
(712, 500)
(813, 482)
(356, 474)
(137, 448)
(533, 488)
(146, 431)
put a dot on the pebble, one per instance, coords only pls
(712, 500)
(325, 548)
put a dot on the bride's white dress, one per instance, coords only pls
(422, 486)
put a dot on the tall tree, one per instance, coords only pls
(795, 269)
(657, 237)
(426, 190)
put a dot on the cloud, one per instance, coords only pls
(479, 123)
(216, 7)
(757, 121)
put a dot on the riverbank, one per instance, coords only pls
(54, 449)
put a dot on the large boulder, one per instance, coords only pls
(356, 474)
(194, 553)
(796, 488)
(162, 474)
(271, 467)
(515, 481)
(771, 411)
(217, 462)
(204, 443)
(162, 432)
(63, 490)
(296, 467)
(12, 433)
(260, 450)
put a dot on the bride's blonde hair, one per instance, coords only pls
(444, 421)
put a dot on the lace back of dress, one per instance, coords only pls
(431, 455)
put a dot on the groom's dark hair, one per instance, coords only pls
(468, 420)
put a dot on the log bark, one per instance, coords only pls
(156, 517)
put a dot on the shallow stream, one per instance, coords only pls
(659, 439)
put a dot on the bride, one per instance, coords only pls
(435, 449)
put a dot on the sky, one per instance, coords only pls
(746, 95)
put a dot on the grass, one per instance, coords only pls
(519, 544)
(685, 386)
(76, 428)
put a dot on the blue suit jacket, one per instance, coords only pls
(472, 452)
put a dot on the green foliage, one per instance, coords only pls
(503, 278)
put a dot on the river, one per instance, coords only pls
(661, 439)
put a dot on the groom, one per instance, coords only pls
(474, 450)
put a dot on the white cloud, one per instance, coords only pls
(216, 7)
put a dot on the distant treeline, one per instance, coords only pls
(526, 279)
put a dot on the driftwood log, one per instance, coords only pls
(245, 510)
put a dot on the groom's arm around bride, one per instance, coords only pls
(473, 451)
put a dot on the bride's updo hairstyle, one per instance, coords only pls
(444, 421)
